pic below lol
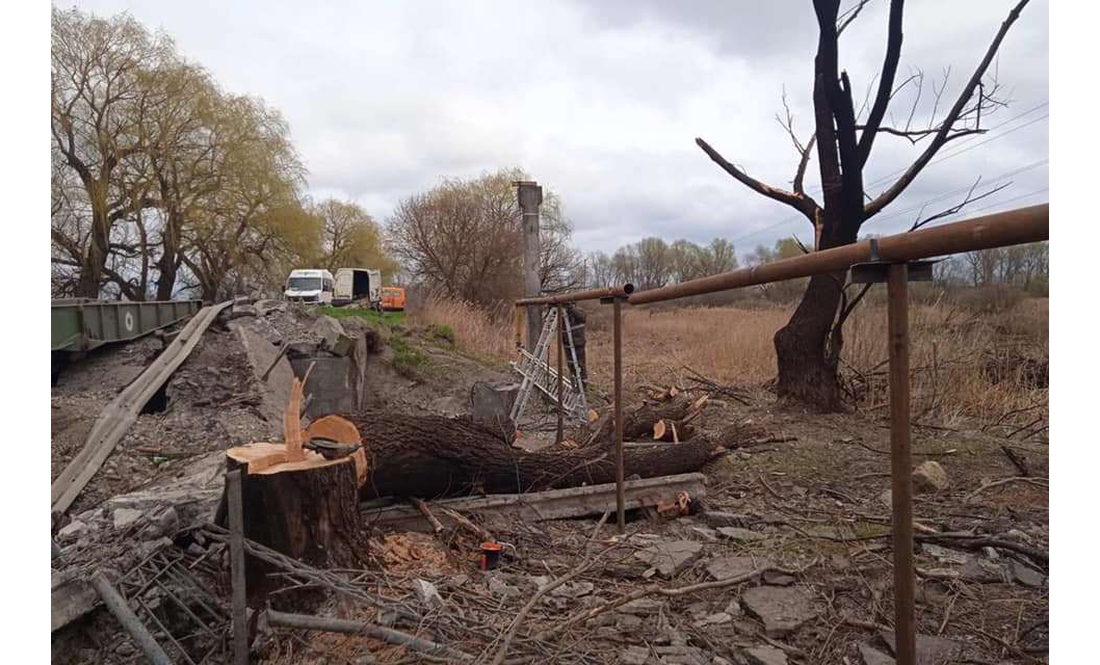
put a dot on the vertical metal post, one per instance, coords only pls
(620, 497)
(530, 198)
(236, 562)
(901, 463)
(561, 374)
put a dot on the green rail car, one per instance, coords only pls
(82, 324)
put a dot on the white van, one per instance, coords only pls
(354, 284)
(315, 286)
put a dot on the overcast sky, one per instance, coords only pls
(601, 101)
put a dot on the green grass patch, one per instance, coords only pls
(442, 332)
(406, 357)
(384, 318)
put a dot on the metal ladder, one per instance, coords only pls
(537, 373)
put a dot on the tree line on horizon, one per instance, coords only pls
(164, 184)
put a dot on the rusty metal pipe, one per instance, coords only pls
(620, 291)
(561, 374)
(1012, 227)
(620, 496)
(901, 463)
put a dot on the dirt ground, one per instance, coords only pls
(804, 494)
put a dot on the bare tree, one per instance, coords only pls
(464, 237)
(808, 347)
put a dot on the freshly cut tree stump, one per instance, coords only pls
(299, 503)
(307, 509)
(430, 456)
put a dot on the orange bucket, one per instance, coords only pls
(490, 554)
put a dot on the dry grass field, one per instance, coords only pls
(969, 364)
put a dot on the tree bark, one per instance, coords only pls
(430, 456)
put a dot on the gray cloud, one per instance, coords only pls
(600, 101)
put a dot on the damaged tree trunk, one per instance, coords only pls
(429, 456)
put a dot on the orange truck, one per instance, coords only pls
(393, 299)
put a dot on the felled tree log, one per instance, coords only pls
(430, 456)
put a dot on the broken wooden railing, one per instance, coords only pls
(888, 259)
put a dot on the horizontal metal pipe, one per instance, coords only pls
(621, 291)
(1012, 227)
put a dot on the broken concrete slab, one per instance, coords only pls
(329, 384)
(945, 554)
(781, 609)
(931, 650)
(739, 535)
(669, 558)
(275, 388)
(983, 570)
(124, 517)
(766, 655)
(71, 597)
(871, 656)
(333, 336)
(723, 568)
(72, 531)
(928, 477)
(492, 402)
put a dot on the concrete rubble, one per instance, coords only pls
(781, 609)
(669, 558)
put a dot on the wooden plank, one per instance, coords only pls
(117, 417)
(539, 506)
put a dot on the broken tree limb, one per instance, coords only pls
(464, 522)
(137, 630)
(387, 635)
(431, 456)
(1017, 461)
(422, 506)
(1038, 482)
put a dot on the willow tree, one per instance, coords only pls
(99, 99)
(808, 347)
